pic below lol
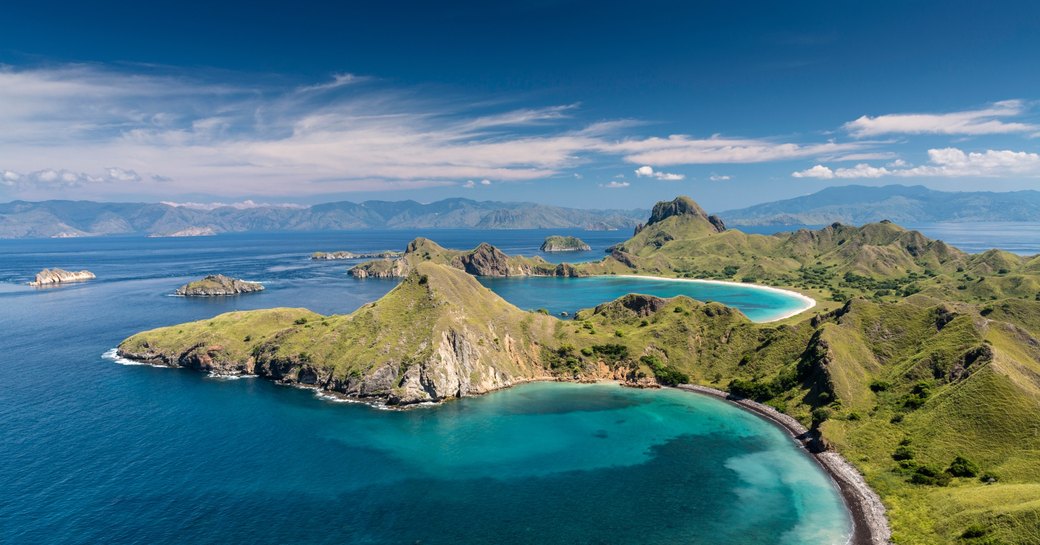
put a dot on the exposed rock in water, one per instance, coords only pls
(329, 256)
(557, 243)
(216, 285)
(53, 277)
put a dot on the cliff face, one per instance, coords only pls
(53, 277)
(217, 285)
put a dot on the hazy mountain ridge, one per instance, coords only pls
(857, 205)
(21, 219)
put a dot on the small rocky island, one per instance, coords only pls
(54, 277)
(329, 256)
(218, 285)
(558, 243)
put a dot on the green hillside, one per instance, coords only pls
(923, 369)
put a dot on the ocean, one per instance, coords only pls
(97, 451)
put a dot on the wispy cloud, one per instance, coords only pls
(686, 150)
(720, 178)
(969, 122)
(942, 163)
(646, 171)
(615, 185)
(109, 132)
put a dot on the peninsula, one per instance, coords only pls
(919, 365)
(54, 277)
(558, 243)
(218, 285)
(331, 256)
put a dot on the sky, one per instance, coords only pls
(587, 104)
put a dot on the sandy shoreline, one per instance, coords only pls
(870, 525)
(807, 302)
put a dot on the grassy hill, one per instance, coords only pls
(923, 370)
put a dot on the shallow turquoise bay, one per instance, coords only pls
(100, 452)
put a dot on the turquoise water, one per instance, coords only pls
(99, 452)
(570, 294)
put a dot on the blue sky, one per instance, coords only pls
(595, 104)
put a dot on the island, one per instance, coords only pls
(218, 285)
(915, 382)
(187, 232)
(330, 256)
(557, 243)
(54, 277)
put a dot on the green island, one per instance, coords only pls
(920, 364)
(560, 243)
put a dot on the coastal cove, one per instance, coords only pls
(138, 424)
(555, 294)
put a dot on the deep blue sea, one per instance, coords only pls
(94, 451)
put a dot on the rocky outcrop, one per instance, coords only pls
(557, 243)
(331, 256)
(217, 285)
(632, 304)
(484, 260)
(54, 277)
(383, 268)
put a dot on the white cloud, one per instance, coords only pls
(175, 134)
(969, 122)
(719, 178)
(485, 181)
(469, 184)
(615, 185)
(54, 179)
(241, 205)
(684, 150)
(942, 163)
(647, 171)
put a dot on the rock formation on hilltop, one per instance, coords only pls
(484, 260)
(217, 285)
(54, 277)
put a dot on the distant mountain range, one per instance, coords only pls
(48, 219)
(857, 205)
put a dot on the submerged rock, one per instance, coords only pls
(53, 277)
(216, 285)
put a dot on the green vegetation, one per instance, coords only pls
(921, 366)
(559, 243)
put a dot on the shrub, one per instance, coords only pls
(962, 467)
(930, 476)
(880, 386)
(903, 453)
(973, 531)
(611, 352)
(665, 374)
(300, 321)
(819, 416)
